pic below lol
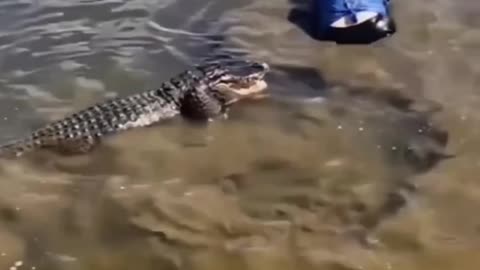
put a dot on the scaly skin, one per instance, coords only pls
(201, 93)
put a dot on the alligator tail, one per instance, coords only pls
(17, 148)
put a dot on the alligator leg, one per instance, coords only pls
(198, 105)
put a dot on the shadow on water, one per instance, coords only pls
(400, 126)
(423, 144)
(296, 80)
(414, 114)
(417, 141)
(301, 14)
(403, 128)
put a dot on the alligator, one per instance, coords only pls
(203, 92)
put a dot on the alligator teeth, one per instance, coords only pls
(259, 86)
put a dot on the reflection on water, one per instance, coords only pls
(345, 167)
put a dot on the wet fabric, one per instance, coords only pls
(374, 14)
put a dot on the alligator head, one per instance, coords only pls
(232, 81)
(221, 85)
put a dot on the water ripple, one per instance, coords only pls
(36, 37)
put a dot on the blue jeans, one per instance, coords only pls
(331, 11)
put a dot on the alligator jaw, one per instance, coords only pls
(254, 90)
(251, 86)
(257, 87)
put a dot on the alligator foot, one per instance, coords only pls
(76, 146)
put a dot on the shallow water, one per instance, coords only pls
(338, 170)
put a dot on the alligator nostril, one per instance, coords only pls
(261, 66)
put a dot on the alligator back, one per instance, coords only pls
(79, 132)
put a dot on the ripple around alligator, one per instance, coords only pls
(338, 170)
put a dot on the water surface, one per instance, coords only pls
(338, 170)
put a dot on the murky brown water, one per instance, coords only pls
(337, 171)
